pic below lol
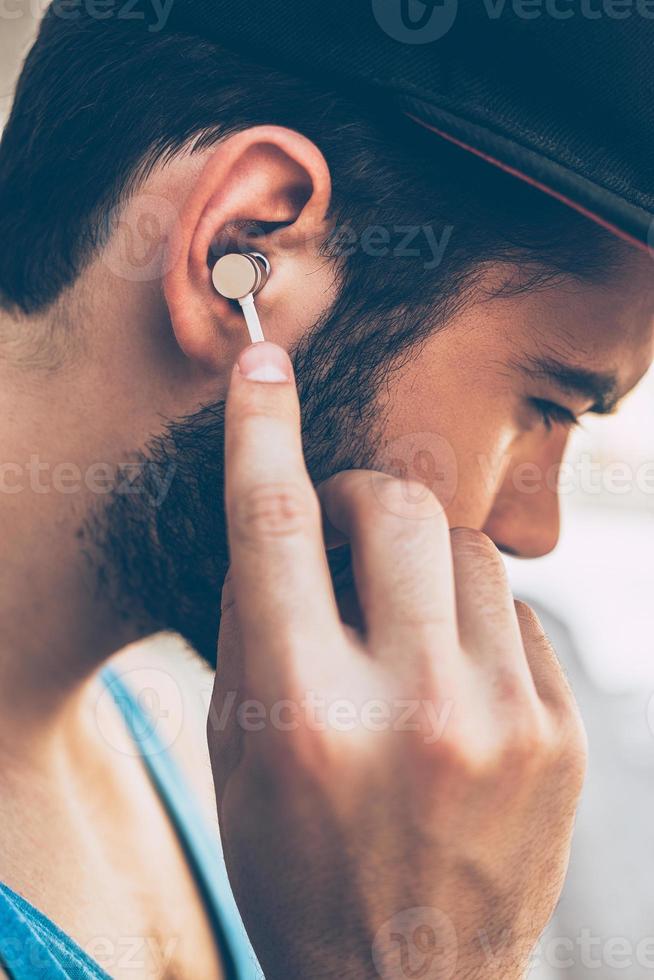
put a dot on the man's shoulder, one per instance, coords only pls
(173, 686)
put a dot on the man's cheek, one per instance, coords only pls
(425, 459)
(481, 474)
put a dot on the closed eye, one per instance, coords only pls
(552, 414)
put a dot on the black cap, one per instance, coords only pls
(558, 92)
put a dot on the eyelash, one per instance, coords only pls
(552, 414)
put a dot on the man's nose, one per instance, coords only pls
(525, 518)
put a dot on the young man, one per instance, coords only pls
(448, 325)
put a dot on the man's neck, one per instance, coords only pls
(57, 627)
(55, 631)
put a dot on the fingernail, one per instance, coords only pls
(265, 362)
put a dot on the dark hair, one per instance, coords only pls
(100, 103)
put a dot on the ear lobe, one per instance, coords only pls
(263, 178)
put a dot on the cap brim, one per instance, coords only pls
(618, 216)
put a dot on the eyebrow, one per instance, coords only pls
(597, 386)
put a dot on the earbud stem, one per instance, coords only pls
(252, 319)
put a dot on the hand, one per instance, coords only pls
(396, 801)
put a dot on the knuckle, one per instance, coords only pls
(525, 613)
(303, 751)
(528, 750)
(318, 752)
(479, 568)
(469, 542)
(461, 756)
(346, 496)
(573, 743)
(531, 626)
(406, 499)
(275, 510)
(345, 482)
(527, 746)
(510, 689)
(521, 748)
(543, 744)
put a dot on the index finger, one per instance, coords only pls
(282, 588)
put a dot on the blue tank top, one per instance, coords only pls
(32, 947)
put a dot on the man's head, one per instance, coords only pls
(445, 320)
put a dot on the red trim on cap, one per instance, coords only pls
(535, 183)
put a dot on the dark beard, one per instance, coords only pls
(161, 557)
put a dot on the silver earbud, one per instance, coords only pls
(240, 274)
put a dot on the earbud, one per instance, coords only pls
(240, 276)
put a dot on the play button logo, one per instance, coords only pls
(415, 21)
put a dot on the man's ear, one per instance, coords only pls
(266, 189)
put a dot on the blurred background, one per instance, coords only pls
(595, 595)
(16, 31)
